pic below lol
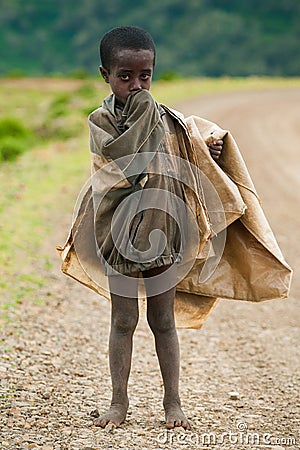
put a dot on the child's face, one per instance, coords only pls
(131, 71)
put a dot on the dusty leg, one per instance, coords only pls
(124, 318)
(160, 315)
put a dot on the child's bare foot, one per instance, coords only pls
(175, 416)
(114, 416)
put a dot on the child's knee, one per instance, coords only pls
(161, 324)
(124, 324)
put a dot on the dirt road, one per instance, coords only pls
(55, 368)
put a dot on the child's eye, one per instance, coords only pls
(145, 76)
(124, 77)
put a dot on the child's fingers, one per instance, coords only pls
(215, 149)
(215, 154)
(218, 142)
(216, 145)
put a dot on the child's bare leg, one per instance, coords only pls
(124, 318)
(160, 316)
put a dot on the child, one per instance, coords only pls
(135, 145)
(128, 58)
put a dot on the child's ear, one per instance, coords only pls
(104, 74)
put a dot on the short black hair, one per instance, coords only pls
(124, 37)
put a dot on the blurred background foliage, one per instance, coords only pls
(43, 110)
(193, 37)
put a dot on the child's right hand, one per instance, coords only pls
(215, 148)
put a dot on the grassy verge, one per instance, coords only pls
(40, 187)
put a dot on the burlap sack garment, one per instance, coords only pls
(251, 268)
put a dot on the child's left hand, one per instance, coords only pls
(215, 148)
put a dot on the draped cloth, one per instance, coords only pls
(136, 204)
(236, 256)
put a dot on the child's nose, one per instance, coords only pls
(135, 85)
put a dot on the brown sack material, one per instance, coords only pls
(251, 268)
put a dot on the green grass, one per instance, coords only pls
(37, 189)
(41, 186)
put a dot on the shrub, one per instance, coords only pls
(14, 138)
(11, 147)
(59, 106)
(10, 126)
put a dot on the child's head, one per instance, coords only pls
(128, 57)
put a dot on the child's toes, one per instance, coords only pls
(170, 425)
(186, 424)
(100, 422)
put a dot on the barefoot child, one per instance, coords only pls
(128, 58)
(135, 221)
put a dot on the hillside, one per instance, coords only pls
(194, 38)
